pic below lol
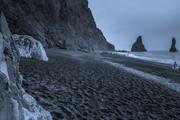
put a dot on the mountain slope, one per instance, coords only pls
(56, 23)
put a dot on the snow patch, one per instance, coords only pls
(29, 47)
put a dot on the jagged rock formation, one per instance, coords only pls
(138, 46)
(173, 46)
(15, 103)
(29, 47)
(55, 21)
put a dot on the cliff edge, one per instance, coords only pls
(56, 23)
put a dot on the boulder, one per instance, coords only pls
(138, 46)
(29, 47)
(173, 46)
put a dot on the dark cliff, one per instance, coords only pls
(173, 46)
(138, 46)
(56, 23)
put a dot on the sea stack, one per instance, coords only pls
(173, 46)
(138, 46)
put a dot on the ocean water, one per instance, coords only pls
(156, 56)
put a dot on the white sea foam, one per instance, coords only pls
(163, 81)
(161, 57)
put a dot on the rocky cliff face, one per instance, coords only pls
(138, 46)
(15, 103)
(56, 22)
(173, 46)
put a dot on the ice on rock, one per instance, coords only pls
(29, 47)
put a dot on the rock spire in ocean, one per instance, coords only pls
(173, 46)
(138, 46)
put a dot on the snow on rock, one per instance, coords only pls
(29, 47)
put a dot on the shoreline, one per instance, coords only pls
(151, 67)
(156, 79)
(153, 59)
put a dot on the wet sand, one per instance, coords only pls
(154, 68)
(75, 85)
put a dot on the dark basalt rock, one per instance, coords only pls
(51, 21)
(138, 46)
(173, 46)
(110, 46)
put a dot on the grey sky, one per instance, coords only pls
(122, 21)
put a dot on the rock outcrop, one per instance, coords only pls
(55, 21)
(173, 46)
(29, 47)
(15, 103)
(138, 46)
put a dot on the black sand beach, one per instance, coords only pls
(75, 85)
(154, 68)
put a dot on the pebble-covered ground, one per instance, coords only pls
(88, 89)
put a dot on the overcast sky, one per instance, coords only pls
(122, 21)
